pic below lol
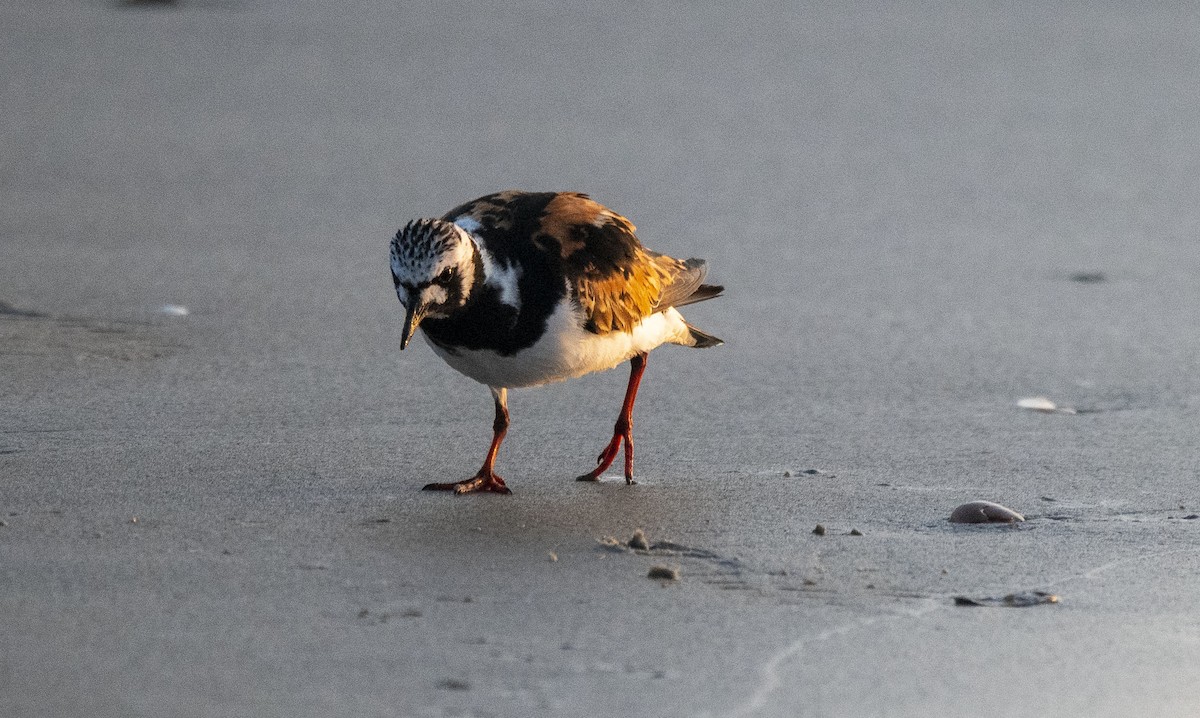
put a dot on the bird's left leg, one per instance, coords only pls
(623, 430)
(486, 478)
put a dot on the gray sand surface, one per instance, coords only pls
(218, 514)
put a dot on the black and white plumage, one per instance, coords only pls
(518, 289)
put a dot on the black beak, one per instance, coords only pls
(412, 319)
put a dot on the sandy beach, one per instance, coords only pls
(211, 447)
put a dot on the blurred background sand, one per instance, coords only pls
(922, 214)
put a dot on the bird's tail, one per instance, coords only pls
(701, 293)
(702, 340)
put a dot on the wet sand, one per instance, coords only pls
(922, 215)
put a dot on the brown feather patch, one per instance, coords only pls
(492, 211)
(570, 212)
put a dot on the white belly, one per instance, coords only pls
(567, 350)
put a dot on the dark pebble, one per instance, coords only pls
(665, 573)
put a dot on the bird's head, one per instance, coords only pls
(433, 269)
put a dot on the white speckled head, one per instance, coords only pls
(433, 270)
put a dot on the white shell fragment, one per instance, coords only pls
(1042, 404)
(1037, 403)
(984, 512)
(173, 310)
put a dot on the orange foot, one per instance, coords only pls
(481, 482)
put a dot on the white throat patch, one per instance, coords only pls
(503, 277)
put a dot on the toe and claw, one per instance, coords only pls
(479, 483)
(609, 455)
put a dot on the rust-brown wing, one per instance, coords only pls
(616, 280)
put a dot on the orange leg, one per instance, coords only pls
(623, 430)
(485, 480)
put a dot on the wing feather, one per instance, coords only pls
(616, 280)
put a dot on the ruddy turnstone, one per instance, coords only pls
(518, 289)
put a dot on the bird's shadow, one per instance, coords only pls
(540, 513)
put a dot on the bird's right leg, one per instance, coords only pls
(485, 479)
(623, 431)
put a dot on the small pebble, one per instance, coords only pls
(665, 573)
(1024, 599)
(553, 557)
(1029, 598)
(3, 522)
(855, 532)
(819, 530)
(787, 474)
(612, 543)
(639, 541)
(133, 520)
(984, 512)
(454, 684)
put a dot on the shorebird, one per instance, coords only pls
(519, 289)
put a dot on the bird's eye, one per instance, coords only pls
(446, 275)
